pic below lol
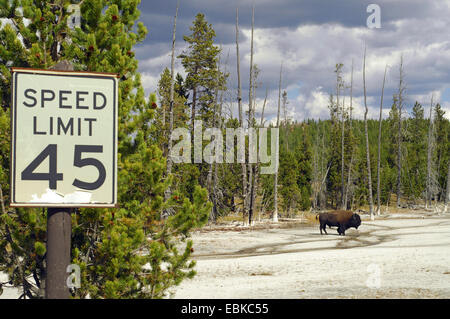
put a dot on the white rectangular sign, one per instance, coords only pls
(64, 138)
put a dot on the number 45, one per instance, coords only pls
(53, 177)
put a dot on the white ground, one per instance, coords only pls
(402, 256)
(396, 256)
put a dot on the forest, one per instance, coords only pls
(143, 247)
(323, 164)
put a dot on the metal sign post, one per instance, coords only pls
(63, 153)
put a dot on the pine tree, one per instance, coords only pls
(389, 180)
(204, 79)
(200, 62)
(180, 110)
(127, 252)
(289, 174)
(304, 164)
(416, 145)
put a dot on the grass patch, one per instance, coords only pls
(311, 217)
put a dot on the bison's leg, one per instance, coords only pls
(323, 226)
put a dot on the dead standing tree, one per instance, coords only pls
(379, 146)
(339, 86)
(401, 91)
(251, 183)
(429, 157)
(349, 176)
(169, 164)
(447, 193)
(257, 166)
(366, 133)
(275, 184)
(212, 171)
(241, 119)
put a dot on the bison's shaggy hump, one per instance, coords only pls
(343, 219)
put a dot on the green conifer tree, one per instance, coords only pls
(129, 252)
(304, 164)
(288, 176)
(416, 159)
(200, 62)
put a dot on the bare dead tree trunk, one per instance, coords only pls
(275, 185)
(212, 180)
(285, 123)
(342, 156)
(447, 193)
(238, 69)
(250, 125)
(429, 151)
(194, 102)
(218, 194)
(250, 91)
(171, 102)
(401, 90)
(169, 162)
(315, 172)
(349, 179)
(241, 120)
(339, 85)
(323, 190)
(379, 147)
(323, 186)
(263, 109)
(369, 174)
(257, 166)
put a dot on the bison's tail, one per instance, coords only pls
(317, 216)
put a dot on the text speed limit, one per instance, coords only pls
(64, 143)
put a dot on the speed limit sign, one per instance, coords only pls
(64, 138)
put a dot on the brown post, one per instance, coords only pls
(59, 232)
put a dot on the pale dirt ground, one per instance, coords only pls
(410, 252)
(292, 260)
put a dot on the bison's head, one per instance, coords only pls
(355, 221)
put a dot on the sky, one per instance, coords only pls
(309, 37)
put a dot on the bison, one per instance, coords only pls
(340, 218)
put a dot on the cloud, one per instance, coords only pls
(309, 37)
